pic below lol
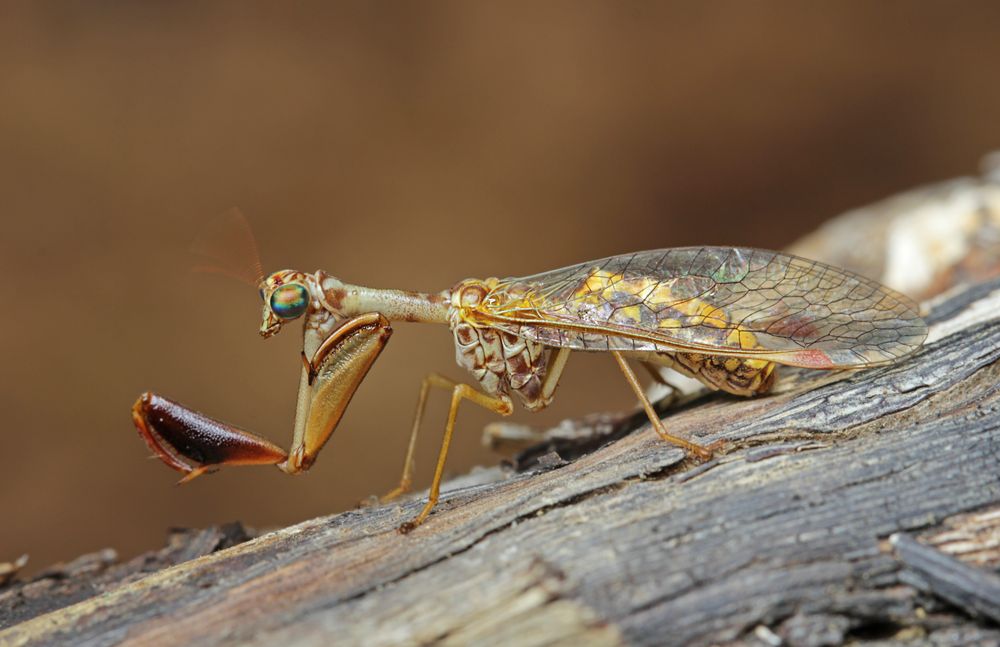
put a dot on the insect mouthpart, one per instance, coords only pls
(271, 325)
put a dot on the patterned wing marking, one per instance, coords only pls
(716, 300)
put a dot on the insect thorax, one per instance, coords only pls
(501, 361)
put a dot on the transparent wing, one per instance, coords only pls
(717, 300)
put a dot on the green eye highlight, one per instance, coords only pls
(289, 301)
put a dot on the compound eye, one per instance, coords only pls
(289, 301)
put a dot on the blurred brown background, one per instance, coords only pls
(404, 145)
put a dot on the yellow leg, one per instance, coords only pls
(702, 452)
(406, 480)
(500, 404)
(557, 362)
(501, 436)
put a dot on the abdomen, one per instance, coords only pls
(739, 376)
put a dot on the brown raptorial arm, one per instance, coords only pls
(193, 443)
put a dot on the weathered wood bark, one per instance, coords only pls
(784, 538)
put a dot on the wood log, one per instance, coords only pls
(784, 538)
(854, 506)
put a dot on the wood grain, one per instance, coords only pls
(785, 538)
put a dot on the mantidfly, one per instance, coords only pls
(723, 315)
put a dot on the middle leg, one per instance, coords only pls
(701, 451)
(500, 404)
